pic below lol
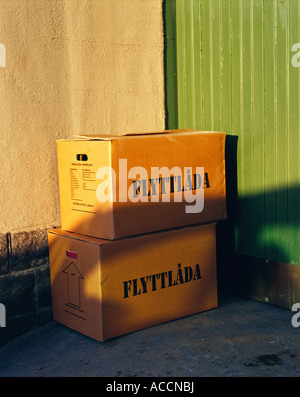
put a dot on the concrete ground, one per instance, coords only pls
(241, 338)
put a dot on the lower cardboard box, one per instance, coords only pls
(107, 288)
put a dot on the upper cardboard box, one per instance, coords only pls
(117, 186)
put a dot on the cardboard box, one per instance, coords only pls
(117, 186)
(105, 288)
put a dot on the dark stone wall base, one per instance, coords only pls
(260, 279)
(25, 288)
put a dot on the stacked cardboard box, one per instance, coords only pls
(137, 245)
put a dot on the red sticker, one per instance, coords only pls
(72, 254)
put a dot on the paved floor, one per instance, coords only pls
(242, 337)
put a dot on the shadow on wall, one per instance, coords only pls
(259, 244)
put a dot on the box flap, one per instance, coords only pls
(98, 137)
(158, 132)
(128, 135)
(76, 236)
(108, 137)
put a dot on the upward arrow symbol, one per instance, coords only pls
(73, 284)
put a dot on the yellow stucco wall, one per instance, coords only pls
(72, 66)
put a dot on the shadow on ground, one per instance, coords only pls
(241, 338)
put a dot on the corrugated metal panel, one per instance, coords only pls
(234, 73)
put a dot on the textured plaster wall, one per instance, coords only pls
(72, 66)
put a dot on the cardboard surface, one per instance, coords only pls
(82, 163)
(105, 288)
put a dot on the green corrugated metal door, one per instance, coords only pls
(233, 66)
